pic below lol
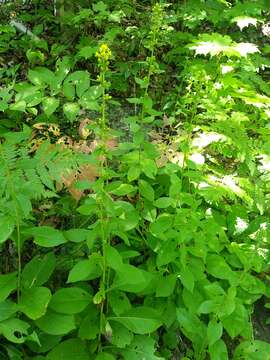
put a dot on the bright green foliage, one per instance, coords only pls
(134, 180)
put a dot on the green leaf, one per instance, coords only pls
(149, 167)
(142, 347)
(214, 331)
(133, 173)
(128, 217)
(129, 278)
(217, 267)
(38, 271)
(121, 336)
(18, 106)
(140, 320)
(237, 321)
(14, 330)
(146, 190)
(8, 283)
(71, 111)
(46, 236)
(56, 324)
(86, 269)
(7, 309)
(89, 327)
(41, 76)
(50, 104)
(70, 300)
(218, 351)
(119, 302)
(123, 189)
(166, 285)
(163, 202)
(34, 302)
(105, 356)
(113, 258)
(79, 79)
(252, 350)
(71, 349)
(187, 278)
(6, 228)
(77, 235)
(87, 52)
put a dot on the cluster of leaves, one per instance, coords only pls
(148, 239)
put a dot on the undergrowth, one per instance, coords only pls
(143, 236)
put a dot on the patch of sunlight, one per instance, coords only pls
(197, 158)
(246, 48)
(259, 101)
(226, 69)
(244, 21)
(265, 163)
(204, 139)
(240, 226)
(229, 181)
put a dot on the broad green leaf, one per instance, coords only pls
(121, 336)
(218, 351)
(113, 258)
(70, 300)
(14, 330)
(76, 235)
(123, 189)
(192, 327)
(149, 167)
(129, 278)
(252, 350)
(119, 302)
(8, 283)
(163, 202)
(89, 327)
(142, 347)
(133, 172)
(50, 104)
(207, 307)
(41, 76)
(146, 190)
(217, 267)
(69, 90)
(71, 111)
(38, 270)
(18, 106)
(214, 331)
(34, 301)
(105, 356)
(166, 285)
(6, 228)
(46, 236)
(7, 309)
(56, 324)
(87, 52)
(237, 322)
(128, 216)
(86, 269)
(140, 320)
(187, 278)
(46, 342)
(71, 349)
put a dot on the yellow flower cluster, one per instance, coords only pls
(104, 53)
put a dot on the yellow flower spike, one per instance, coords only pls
(104, 53)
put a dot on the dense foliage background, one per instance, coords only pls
(134, 180)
